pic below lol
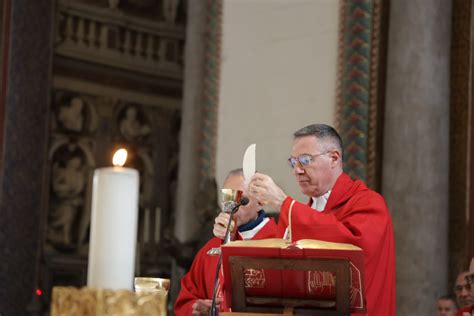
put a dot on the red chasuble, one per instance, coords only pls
(198, 283)
(357, 215)
(468, 310)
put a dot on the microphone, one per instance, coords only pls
(243, 201)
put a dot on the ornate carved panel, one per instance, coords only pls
(85, 130)
(117, 81)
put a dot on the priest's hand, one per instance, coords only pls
(220, 225)
(203, 307)
(266, 192)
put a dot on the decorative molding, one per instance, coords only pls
(359, 88)
(113, 38)
(210, 97)
(128, 95)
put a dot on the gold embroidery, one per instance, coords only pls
(254, 278)
(290, 231)
(319, 280)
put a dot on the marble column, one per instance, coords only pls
(24, 112)
(416, 149)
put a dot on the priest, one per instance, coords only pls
(470, 280)
(338, 210)
(197, 286)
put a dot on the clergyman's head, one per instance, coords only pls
(316, 158)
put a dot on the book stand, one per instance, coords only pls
(242, 304)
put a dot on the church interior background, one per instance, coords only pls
(165, 79)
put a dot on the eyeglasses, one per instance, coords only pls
(304, 159)
(459, 288)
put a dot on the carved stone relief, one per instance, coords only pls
(133, 124)
(73, 124)
(85, 130)
(70, 162)
(73, 114)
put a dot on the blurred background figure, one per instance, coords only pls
(462, 290)
(446, 306)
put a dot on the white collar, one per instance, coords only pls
(319, 203)
(249, 234)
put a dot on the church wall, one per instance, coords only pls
(416, 149)
(278, 74)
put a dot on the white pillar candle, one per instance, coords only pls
(113, 234)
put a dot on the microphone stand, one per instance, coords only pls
(213, 311)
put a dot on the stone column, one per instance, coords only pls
(416, 149)
(188, 175)
(186, 223)
(24, 114)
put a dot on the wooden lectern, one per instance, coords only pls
(245, 305)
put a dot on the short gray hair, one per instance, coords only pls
(234, 172)
(321, 132)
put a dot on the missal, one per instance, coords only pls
(295, 283)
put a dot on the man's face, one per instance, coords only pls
(463, 291)
(316, 178)
(245, 213)
(445, 308)
(470, 278)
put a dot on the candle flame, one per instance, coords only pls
(120, 157)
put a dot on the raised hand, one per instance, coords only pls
(266, 192)
(220, 225)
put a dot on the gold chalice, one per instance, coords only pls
(230, 199)
(158, 287)
(145, 284)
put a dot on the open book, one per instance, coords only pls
(296, 283)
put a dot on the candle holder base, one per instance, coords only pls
(101, 302)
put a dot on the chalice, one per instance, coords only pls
(146, 284)
(152, 290)
(230, 200)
